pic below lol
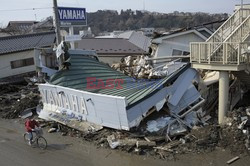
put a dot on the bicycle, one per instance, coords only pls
(38, 139)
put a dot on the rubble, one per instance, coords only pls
(199, 139)
(16, 99)
(174, 131)
(142, 67)
(156, 125)
(142, 144)
(185, 138)
(52, 130)
(233, 160)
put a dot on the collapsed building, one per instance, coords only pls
(92, 91)
(89, 95)
(87, 92)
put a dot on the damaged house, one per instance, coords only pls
(17, 53)
(87, 90)
(91, 91)
(177, 43)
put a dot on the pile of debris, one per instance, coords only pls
(234, 136)
(142, 68)
(199, 139)
(155, 138)
(16, 99)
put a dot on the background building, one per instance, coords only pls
(17, 53)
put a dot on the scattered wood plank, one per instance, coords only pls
(141, 144)
(163, 148)
(150, 112)
(173, 144)
(147, 139)
(233, 160)
(128, 142)
(156, 138)
(169, 146)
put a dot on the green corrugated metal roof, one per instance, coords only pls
(84, 66)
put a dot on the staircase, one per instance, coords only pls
(228, 48)
(229, 26)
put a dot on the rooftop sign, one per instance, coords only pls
(72, 16)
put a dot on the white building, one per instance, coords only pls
(178, 43)
(17, 53)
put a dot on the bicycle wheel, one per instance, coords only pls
(26, 138)
(41, 142)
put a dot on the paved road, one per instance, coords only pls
(67, 151)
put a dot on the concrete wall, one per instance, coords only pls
(179, 43)
(5, 65)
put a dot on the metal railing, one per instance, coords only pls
(229, 26)
(230, 53)
(238, 35)
(241, 33)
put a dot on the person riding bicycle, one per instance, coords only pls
(30, 125)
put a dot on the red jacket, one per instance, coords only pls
(31, 124)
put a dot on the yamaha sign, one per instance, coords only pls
(72, 16)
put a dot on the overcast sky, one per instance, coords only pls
(165, 6)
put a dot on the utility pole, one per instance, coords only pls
(56, 23)
(241, 4)
(58, 35)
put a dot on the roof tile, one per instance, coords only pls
(109, 46)
(17, 43)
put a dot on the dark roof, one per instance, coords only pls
(21, 23)
(109, 46)
(17, 43)
(83, 66)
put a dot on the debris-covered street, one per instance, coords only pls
(16, 99)
(129, 87)
(151, 146)
(74, 151)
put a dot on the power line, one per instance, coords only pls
(8, 10)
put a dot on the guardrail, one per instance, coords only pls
(229, 53)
